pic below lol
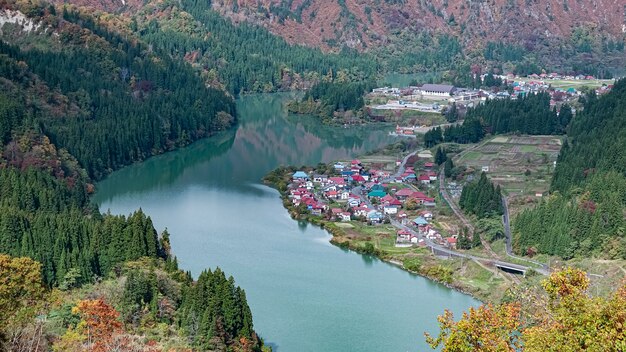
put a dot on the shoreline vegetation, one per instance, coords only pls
(463, 275)
(334, 102)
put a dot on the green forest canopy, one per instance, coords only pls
(584, 214)
(75, 112)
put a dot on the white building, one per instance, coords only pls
(437, 90)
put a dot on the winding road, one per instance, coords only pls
(440, 250)
(507, 234)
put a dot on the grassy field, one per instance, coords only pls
(576, 84)
(411, 117)
(488, 285)
(521, 165)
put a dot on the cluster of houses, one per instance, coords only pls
(364, 195)
(551, 76)
(317, 191)
(519, 87)
(436, 91)
(420, 230)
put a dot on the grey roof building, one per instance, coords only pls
(437, 89)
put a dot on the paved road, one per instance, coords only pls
(507, 234)
(401, 168)
(436, 248)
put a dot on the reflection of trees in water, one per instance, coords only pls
(259, 109)
(351, 138)
(164, 169)
(265, 138)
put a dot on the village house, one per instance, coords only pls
(426, 215)
(375, 217)
(424, 179)
(377, 187)
(431, 175)
(404, 193)
(335, 212)
(337, 181)
(354, 201)
(429, 202)
(391, 209)
(408, 177)
(344, 216)
(356, 178)
(347, 173)
(361, 211)
(330, 187)
(317, 210)
(376, 194)
(422, 224)
(403, 236)
(402, 216)
(320, 179)
(300, 176)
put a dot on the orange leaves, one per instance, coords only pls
(99, 323)
(573, 321)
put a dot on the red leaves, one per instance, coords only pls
(101, 323)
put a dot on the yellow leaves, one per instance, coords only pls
(572, 322)
(566, 282)
(21, 289)
(486, 328)
(72, 340)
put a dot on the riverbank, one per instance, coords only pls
(379, 240)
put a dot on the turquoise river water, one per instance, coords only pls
(305, 294)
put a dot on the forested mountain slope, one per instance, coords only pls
(585, 213)
(584, 31)
(76, 102)
(239, 58)
(109, 100)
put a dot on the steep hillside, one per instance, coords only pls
(237, 58)
(557, 28)
(76, 102)
(584, 215)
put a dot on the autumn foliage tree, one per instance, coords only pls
(21, 295)
(486, 328)
(571, 320)
(99, 324)
(576, 321)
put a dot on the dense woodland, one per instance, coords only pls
(244, 58)
(329, 98)
(124, 106)
(91, 102)
(529, 115)
(481, 198)
(584, 214)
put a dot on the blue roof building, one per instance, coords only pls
(375, 215)
(300, 175)
(377, 194)
(377, 187)
(420, 221)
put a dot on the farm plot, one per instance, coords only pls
(521, 165)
